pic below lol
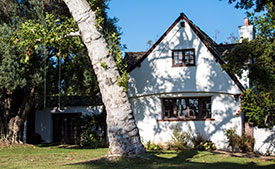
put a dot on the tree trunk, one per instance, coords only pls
(5, 118)
(123, 134)
(15, 125)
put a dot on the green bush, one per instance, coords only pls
(201, 143)
(151, 146)
(198, 139)
(245, 142)
(232, 137)
(206, 146)
(180, 139)
(92, 131)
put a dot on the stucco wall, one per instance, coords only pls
(264, 140)
(147, 111)
(44, 121)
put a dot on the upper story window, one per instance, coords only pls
(184, 57)
(186, 108)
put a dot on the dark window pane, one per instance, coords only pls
(194, 107)
(187, 107)
(189, 57)
(177, 60)
(206, 107)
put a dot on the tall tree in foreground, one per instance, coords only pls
(123, 134)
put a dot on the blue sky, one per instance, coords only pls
(143, 20)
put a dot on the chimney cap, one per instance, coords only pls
(246, 21)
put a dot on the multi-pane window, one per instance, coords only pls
(187, 108)
(185, 57)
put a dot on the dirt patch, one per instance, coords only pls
(246, 155)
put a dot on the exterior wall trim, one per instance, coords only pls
(164, 94)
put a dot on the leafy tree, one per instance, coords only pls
(18, 81)
(258, 103)
(31, 41)
(248, 4)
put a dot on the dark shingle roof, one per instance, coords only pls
(131, 58)
(53, 101)
(224, 49)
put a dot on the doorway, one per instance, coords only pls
(66, 129)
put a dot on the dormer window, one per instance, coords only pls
(183, 57)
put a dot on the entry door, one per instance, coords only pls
(66, 128)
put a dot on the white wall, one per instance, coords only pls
(264, 140)
(44, 122)
(147, 111)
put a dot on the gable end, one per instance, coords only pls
(207, 41)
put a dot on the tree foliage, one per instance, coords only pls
(258, 5)
(258, 58)
(40, 47)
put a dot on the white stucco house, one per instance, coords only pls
(179, 81)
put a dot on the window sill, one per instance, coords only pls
(184, 65)
(186, 119)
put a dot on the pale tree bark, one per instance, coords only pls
(123, 134)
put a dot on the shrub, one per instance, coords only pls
(151, 146)
(232, 137)
(92, 131)
(180, 139)
(198, 139)
(201, 143)
(245, 142)
(206, 145)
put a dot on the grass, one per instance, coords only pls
(55, 157)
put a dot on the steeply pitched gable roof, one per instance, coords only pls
(131, 58)
(215, 49)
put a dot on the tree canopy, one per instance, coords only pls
(258, 5)
(38, 38)
(258, 58)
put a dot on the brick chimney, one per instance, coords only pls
(246, 31)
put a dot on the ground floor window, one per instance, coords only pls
(186, 108)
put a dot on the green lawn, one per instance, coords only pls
(55, 157)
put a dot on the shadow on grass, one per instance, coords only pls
(67, 146)
(174, 160)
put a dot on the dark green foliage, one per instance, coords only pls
(258, 58)
(232, 138)
(92, 131)
(201, 143)
(206, 146)
(198, 139)
(244, 143)
(259, 107)
(35, 49)
(259, 5)
(151, 146)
